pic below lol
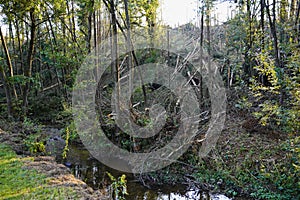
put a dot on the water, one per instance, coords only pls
(94, 174)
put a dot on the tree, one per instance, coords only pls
(3, 75)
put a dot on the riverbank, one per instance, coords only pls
(250, 161)
(27, 177)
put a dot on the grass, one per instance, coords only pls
(18, 183)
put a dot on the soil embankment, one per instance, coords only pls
(56, 175)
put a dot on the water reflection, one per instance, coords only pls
(187, 195)
(193, 195)
(93, 173)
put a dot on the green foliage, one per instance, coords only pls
(119, 187)
(36, 147)
(243, 103)
(279, 101)
(284, 175)
(34, 144)
(29, 124)
(66, 148)
(259, 175)
(18, 79)
(72, 132)
(144, 11)
(64, 116)
(274, 79)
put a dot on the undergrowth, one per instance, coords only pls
(260, 175)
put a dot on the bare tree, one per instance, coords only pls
(4, 78)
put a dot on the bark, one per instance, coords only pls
(292, 9)
(130, 67)
(272, 22)
(262, 23)
(297, 26)
(248, 68)
(30, 55)
(89, 26)
(207, 21)
(4, 79)
(52, 31)
(7, 55)
(114, 55)
(278, 63)
(129, 48)
(201, 55)
(95, 44)
(73, 25)
(7, 91)
(12, 41)
(115, 39)
(20, 47)
(297, 14)
(8, 62)
(100, 26)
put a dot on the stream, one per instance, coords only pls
(93, 172)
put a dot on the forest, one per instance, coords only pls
(204, 110)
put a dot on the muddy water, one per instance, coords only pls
(93, 173)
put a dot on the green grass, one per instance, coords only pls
(18, 183)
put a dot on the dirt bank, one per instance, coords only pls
(57, 175)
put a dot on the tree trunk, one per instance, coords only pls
(207, 22)
(297, 26)
(248, 68)
(292, 9)
(278, 63)
(115, 40)
(262, 24)
(129, 48)
(114, 55)
(89, 25)
(11, 69)
(8, 62)
(95, 44)
(130, 67)
(30, 55)
(201, 56)
(20, 41)
(7, 91)
(73, 25)
(272, 22)
(4, 79)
